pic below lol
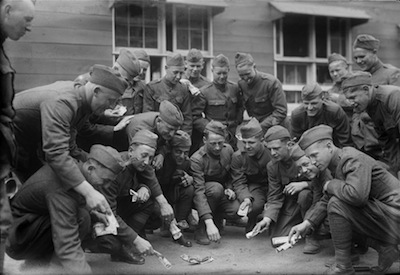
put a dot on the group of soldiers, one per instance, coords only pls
(106, 157)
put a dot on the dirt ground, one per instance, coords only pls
(233, 255)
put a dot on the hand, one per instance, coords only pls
(230, 194)
(123, 123)
(143, 246)
(212, 231)
(186, 180)
(118, 111)
(143, 194)
(158, 162)
(167, 213)
(100, 217)
(96, 201)
(244, 203)
(299, 230)
(265, 222)
(326, 186)
(294, 187)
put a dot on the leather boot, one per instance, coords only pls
(200, 235)
(387, 255)
(127, 256)
(312, 245)
(343, 263)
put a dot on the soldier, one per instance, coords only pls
(15, 20)
(382, 104)
(214, 198)
(163, 123)
(169, 88)
(263, 96)
(51, 116)
(355, 201)
(144, 60)
(289, 196)
(248, 171)
(50, 219)
(220, 101)
(315, 110)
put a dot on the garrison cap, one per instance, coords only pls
(175, 60)
(129, 62)
(296, 152)
(220, 61)
(356, 79)
(108, 78)
(170, 113)
(145, 137)
(142, 55)
(367, 42)
(181, 139)
(276, 132)
(243, 59)
(251, 129)
(315, 134)
(336, 57)
(194, 55)
(311, 91)
(216, 127)
(107, 156)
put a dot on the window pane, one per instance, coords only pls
(136, 15)
(323, 76)
(121, 26)
(182, 39)
(182, 19)
(151, 38)
(136, 37)
(278, 36)
(338, 35)
(279, 68)
(290, 74)
(205, 38)
(301, 74)
(321, 36)
(293, 96)
(295, 36)
(150, 16)
(196, 18)
(196, 39)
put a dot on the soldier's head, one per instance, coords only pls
(214, 137)
(338, 67)
(313, 98)
(104, 88)
(318, 145)
(245, 67)
(251, 134)
(144, 60)
(303, 163)
(142, 149)
(169, 120)
(180, 146)
(220, 69)
(365, 49)
(357, 87)
(127, 65)
(277, 140)
(103, 165)
(194, 63)
(16, 17)
(175, 68)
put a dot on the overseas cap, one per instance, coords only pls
(356, 79)
(243, 59)
(220, 61)
(129, 62)
(108, 78)
(276, 132)
(175, 60)
(107, 156)
(194, 55)
(145, 137)
(170, 113)
(311, 91)
(251, 129)
(142, 55)
(216, 127)
(181, 139)
(336, 57)
(366, 41)
(296, 153)
(315, 134)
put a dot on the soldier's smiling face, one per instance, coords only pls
(220, 74)
(141, 156)
(246, 73)
(214, 143)
(358, 97)
(252, 145)
(193, 69)
(320, 154)
(174, 73)
(279, 149)
(306, 168)
(365, 59)
(180, 154)
(313, 105)
(337, 70)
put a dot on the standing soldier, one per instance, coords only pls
(169, 88)
(263, 96)
(15, 20)
(220, 101)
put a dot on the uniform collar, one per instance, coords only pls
(168, 83)
(220, 87)
(377, 65)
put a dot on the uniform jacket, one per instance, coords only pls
(206, 168)
(162, 89)
(264, 99)
(330, 114)
(132, 98)
(249, 172)
(198, 83)
(385, 74)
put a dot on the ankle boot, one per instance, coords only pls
(200, 235)
(387, 255)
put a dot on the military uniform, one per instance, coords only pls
(330, 114)
(210, 179)
(199, 82)
(162, 89)
(265, 100)
(384, 74)
(132, 99)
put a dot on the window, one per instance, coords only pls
(302, 46)
(159, 27)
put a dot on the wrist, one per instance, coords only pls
(84, 188)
